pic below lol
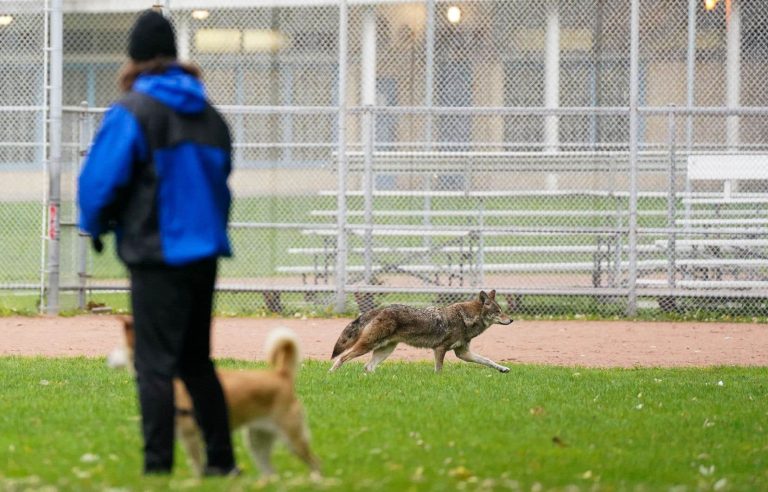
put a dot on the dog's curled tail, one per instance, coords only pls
(282, 348)
(348, 337)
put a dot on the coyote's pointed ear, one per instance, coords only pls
(492, 294)
(483, 296)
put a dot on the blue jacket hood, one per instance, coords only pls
(175, 88)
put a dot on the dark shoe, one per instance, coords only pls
(218, 471)
(156, 471)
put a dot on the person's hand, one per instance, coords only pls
(97, 244)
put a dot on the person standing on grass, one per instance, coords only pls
(157, 175)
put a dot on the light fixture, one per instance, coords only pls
(200, 14)
(5, 20)
(710, 4)
(453, 14)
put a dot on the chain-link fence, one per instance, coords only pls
(483, 144)
(22, 149)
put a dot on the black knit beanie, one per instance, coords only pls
(151, 36)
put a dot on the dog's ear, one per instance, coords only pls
(483, 296)
(492, 294)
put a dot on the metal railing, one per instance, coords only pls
(381, 148)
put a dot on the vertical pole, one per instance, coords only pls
(368, 136)
(341, 243)
(429, 69)
(597, 63)
(182, 37)
(286, 99)
(552, 85)
(671, 200)
(690, 65)
(552, 77)
(733, 71)
(368, 95)
(429, 96)
(480, 277)
(239, 131)
(690, 98)
(54, 155)
(84, 138)
(634, 128)
(90, 85)
(42, 152)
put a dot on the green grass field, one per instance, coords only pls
(72, 424)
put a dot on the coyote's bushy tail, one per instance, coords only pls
(282, 348)
(348, 337)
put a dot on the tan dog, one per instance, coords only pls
(262, 403)
(442, 329)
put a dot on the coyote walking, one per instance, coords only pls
(442, 329)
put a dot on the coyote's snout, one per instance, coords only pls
(442, 329)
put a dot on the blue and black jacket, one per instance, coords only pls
(157, 174)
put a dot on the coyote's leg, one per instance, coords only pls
(439, 357)
(379, 355)
(355, 351)
(464, 353)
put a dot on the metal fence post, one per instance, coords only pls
(429, 120)
(690, 97)
(429, 70)
(733, 73)
(368, 99)
(671, 200)
(84, 138)
(690, 69)
(368, 131)
(54, 156)
(341, 222)
(634, 128)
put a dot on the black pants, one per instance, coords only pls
(172, 319)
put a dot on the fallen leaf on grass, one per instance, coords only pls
(460, 473)
(720, 484)
(89, 458)
(81, 473)
(559, 442)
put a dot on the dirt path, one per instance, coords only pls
(568, 343)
